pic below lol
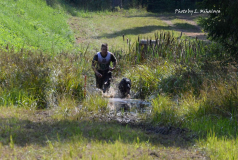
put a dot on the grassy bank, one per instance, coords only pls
(34, 25)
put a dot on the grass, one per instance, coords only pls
(45, 113)
(111, 26)
(34, 25)
(38, 80)
(95, 103)
(182, 24)
(217, 146)
(212, 115)
(199, 96)
(36, 134)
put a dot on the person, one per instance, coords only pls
(101, 67)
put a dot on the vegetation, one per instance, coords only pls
(198, 95)
(170, 5)
(221, 26)
(38, 80)
(46, 113)
(34, 25)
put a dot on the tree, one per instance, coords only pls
(116, 3)
(222, 27)
(170, 5)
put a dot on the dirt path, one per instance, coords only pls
(92, 31)
(193, 31)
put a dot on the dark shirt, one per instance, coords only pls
(103, 66)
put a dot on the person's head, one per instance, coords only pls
(104, 49)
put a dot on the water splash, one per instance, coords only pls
(129, 105)
(118, 104)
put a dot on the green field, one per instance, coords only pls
(34, 25)
(46, 51)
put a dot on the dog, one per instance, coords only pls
(125, 87)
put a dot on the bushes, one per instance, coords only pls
(221, 27)
(37, 80)
(220, 99)
(144, 80)
(183, 80)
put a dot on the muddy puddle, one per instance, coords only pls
(133, 106)
(124, 110)
(128, 110)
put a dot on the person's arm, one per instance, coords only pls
(114, 62)
(94, 67)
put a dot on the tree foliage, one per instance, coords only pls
(91, 4)
(222, 27)
(107, 4)
(151, 5)
(170, 5)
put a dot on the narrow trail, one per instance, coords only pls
(91, 31)
(194, 31)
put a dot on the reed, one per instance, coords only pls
(37, 79)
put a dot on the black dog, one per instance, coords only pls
(125, 87)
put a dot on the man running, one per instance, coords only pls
(101, 67)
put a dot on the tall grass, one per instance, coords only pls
(220, 148)
(95, 103)
(172, 48)
(177, 67)
(163, 64)
(164, 111)
(38, 80)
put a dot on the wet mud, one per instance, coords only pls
(136, 113)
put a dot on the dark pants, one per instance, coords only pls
(106, 76)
